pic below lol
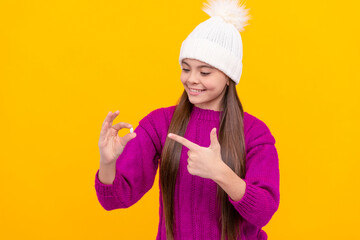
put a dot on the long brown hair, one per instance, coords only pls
(232, 142)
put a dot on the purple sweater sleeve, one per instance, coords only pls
(262, 196)
(136, 168)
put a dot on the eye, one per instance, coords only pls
(186, 70)
(204, 74)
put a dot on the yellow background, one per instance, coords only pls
(65, 64)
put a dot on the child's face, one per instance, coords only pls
(195, 75)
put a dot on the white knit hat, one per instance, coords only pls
(217, 41)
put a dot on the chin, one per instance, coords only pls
(195, 101)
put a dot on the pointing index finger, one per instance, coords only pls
(190, 145)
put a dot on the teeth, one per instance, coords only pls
(193, 90)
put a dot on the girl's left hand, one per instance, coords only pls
(203, 162)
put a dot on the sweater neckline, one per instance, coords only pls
(207, 114)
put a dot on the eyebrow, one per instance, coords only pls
(208, 66)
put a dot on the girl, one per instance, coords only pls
(211, 187)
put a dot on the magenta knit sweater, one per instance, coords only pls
(196, 213)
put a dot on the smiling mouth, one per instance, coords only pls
(196, 90)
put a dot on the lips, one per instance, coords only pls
(198, 90)
(195, 93)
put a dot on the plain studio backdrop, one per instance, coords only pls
(65, 64)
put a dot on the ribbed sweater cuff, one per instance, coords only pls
(107, 190)
(245, 206)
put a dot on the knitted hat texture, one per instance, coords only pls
(217, 41)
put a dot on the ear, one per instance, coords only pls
(227, 83)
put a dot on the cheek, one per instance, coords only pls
(215, 83)
(209, 84)
(182, 78)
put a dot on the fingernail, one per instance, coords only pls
(169, 135)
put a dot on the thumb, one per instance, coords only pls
(213, 139)
(128, 137)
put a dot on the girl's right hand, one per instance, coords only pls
(110, 144)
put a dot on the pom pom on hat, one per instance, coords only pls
(229, 11)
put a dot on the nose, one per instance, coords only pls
(192, 79)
